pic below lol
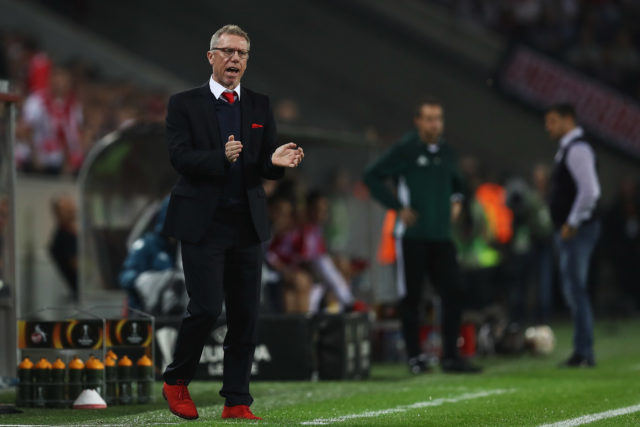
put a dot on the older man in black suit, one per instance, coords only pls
(222, 142)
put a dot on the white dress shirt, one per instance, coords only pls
(582, 166)
(217, 89)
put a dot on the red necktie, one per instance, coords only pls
(229, 96)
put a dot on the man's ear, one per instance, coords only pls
(210, 57)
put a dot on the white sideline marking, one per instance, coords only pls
(405, 408)
(586, 419)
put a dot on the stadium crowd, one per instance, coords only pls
(503, 234)
(65, 108)
(598, 37)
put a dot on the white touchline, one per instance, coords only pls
(405, 408)
(586, 419)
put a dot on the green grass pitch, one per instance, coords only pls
(513, 391)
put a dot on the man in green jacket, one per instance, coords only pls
(429, 182)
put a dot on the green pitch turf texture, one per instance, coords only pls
(513, 391)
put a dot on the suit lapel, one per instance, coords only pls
(246, 107)
(211, 119)
(252, 146)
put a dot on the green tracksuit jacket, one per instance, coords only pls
(428, 181)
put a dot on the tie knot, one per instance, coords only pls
(229, 96)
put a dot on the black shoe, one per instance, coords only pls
(419, 365)
(459, 366)
(577, 361)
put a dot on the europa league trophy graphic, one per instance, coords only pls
(135, 337)
(85, 339)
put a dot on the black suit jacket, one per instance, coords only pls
(197, 153)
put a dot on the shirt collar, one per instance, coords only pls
(217, 89)
(433, 148)
(574, 133)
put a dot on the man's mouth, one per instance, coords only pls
(232, 70)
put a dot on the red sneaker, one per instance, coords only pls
(180, 402)
(238, 411)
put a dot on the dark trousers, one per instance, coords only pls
(225, 266)
(438, 260)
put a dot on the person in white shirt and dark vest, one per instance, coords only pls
(429, 183)
(573, 199)
(222, 143)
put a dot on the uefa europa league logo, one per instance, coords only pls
(134, 337)
(85, 339)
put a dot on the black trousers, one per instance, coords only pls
(225, 266)
(438, 260)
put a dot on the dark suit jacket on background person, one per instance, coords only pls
(199, 157)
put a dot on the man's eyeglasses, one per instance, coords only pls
(228, 52)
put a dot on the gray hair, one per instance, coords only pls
(229, 29)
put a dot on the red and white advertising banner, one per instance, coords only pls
(540, 81)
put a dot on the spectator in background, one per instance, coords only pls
(542, 239)
(491, 195)
(338, 227)
(64, 243)
(517, 264)
(292, 282)
(27, 65)
(298, 252)
(144, 272)
(475, 242)
(339, 221)
(38, 66)
(313, 252)
(53, 118)
(531, 253)
(53, 137)
(573, 197)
